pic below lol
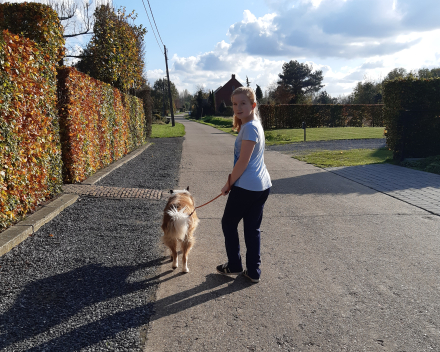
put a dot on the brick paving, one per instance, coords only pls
(114, 192)
(418, 188)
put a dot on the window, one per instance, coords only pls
(233, 88)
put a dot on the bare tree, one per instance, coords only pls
(77, 18)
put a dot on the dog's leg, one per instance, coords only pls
(186, 247)
(174, 256)
(172, 245)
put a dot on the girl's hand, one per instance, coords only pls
(225, 189)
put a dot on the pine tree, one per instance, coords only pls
(248, 84)
(259, 94)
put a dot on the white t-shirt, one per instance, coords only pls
(255, 177)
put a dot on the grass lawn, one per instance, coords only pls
(284, 136)
(429, 164)
(222, 123)
(167, 130)
(334, 158)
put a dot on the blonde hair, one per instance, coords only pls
(249, 92)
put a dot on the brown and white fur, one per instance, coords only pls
(178, 225)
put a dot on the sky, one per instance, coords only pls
(349, 40)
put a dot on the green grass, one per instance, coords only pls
(430, 164)
(285, 136)
(222, 123)
(334, 158)
(166, 130)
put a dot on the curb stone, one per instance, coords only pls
(16, 234)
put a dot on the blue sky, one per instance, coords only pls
(350, 40)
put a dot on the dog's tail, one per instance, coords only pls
(179, 222)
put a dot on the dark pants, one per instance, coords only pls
(246, 205)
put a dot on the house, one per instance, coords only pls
(223, 93)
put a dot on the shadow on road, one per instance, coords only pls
(46, 303)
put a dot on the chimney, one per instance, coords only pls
(233, 76)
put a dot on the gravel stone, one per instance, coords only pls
(87, 280)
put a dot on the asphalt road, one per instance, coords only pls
(344, 267)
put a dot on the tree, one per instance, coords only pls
(198, 107)
(113, 54)
(222, 107)
(299, 80)
(186, 98)
(282, 95)
(367, 93)
(211, 101)
(396, 73)
(67, 10)
(159, 94)
(324, 98)
(427, 73)
(248, 84)
(259, 94)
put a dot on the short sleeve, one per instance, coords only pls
(250, 133)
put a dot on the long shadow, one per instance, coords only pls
(314, 183)
(379, 177)
(46, 303)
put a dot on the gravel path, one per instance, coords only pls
(345, 144)
(86, 281)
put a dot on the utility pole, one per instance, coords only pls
(169, 87)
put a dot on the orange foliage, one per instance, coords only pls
(98, 124)
(30, 155)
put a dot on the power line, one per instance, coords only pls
(152, 26)
(154, 21)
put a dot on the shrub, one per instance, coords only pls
(222, 107)
(228, 111)
(292, 116)
(37, 22)
(30, 153)
(98, 124)
(412, 117)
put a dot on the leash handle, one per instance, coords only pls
(229, 184)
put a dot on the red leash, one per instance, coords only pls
(229, 188)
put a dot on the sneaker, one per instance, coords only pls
(245, 273)
(224, 270)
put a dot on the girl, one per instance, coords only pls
(250, 183)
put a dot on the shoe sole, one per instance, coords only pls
(255, 281)
(228, 274)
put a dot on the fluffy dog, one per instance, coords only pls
(179, 223)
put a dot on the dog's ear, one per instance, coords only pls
(187, 188)
(171, 191)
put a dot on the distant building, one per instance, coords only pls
(223, 93)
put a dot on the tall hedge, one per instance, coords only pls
(98, 124)
(30, 154)
(37, 22)
(412, 117)
(292, 116)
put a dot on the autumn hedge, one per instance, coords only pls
(292, 116)
(37, 22)
(412, 117)
(98, 124)
(30, 154)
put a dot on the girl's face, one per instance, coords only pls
(243, 108)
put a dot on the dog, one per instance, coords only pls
(178, 225)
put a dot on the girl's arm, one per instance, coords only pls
(247, 147)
